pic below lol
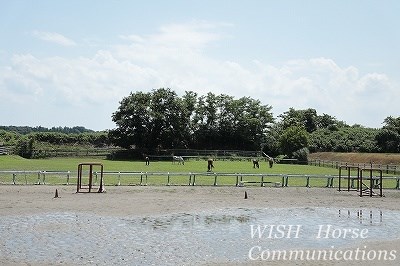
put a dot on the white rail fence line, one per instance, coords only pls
(143, 178)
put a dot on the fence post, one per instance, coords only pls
(38, 178)
(44, 177)
(119, 178)
(168, 184)
(68, 173)
(329, 182)
(308, 181)
(285, 181)
(14, 177)
(215, 179)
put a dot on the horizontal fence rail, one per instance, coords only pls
(116, 178)
(386, 168)
(5, 150)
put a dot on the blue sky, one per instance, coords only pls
(70, 63)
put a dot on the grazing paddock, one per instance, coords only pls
(15, 170)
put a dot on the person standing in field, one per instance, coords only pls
(210, 165)
(255, 163)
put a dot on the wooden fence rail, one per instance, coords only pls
(386, 168)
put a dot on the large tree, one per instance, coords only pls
(150, 120)
(205, 122)
(252, 121)
(309, 119)
(293, 139)
(388, 138)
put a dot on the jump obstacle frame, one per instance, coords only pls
(83, 187)
(364, 187)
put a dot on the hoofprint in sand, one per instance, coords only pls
(183, 225)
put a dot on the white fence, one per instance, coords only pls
(4, 150)
(167, 178)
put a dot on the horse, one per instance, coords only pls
(178, 159)
(271, 162)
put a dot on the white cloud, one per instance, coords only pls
(132, 38)
(321, 84)
(54, 38)
(176, 57)
(196, 34)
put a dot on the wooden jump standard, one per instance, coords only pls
(89, 186)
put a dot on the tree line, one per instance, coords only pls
(26, 129)
(147, 122)
(160, 119)
(38, 144)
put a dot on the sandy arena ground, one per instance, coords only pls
(131, 201)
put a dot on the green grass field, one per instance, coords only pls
(227, 172)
